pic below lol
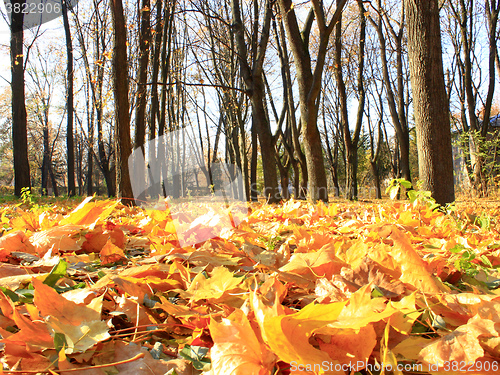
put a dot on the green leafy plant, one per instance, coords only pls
(395, 187)
(422, 197)
(26, 196)
(465, 261)
(272, 242)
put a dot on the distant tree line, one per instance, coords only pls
(320, 96)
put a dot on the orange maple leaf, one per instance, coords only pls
(111, 253)
(238, 349)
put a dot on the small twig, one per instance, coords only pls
(151, 325)
(138, 356)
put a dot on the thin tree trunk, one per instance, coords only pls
(309, 84)
(45, 161)
(254, 84)
(253, 166)
(19, 116)
(120, 84)
(140, 115)
(154, 186)
(70, 147)
(90, 157)
(396, 107)
(300, 192)
(351, 143)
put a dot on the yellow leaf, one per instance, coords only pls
(350, 346)
(313, 265)
(288, 335)
(361, 311)
(411, 347)
(62, 355)
(388, 357)
(60, 238)
(237, 348)
(88, 213)
(220, 281)
(80, 337)
(176, 310)
(412, 267)
(402, 320)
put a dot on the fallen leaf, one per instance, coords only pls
(350, 346)
(51, 303)
(221, 280)
(461, 344)
(15, 241)
(288, 335)
(413, 270)
(313, 265)
(87, 213)
(58, 239)
(111, 253)
(237, 348)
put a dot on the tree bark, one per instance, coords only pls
(252, 75)
(309, 84)
(297, 156)
(431, 107)
(19, 116)
(144, 43)
(253, 165)
(154, 190)
(140, 114)
(45, 161)
(70, 144)
(120, 84)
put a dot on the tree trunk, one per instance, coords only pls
(300, 193)
(375, 155)
(144, 42)
(351, 143)
(154, 190)
(45, 161)
(253, 165)
(254, 84)
(352, 172)
(19, 116)
(430, 102)
(396, 109)
(376, 179)
(309, 84)
(465, 18)
(70, 147)
(140, 114)
(120, 84)
(53, 180)
(90, 158)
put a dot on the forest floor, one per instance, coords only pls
(95, 287)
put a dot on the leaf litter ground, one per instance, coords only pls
(344, 288)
